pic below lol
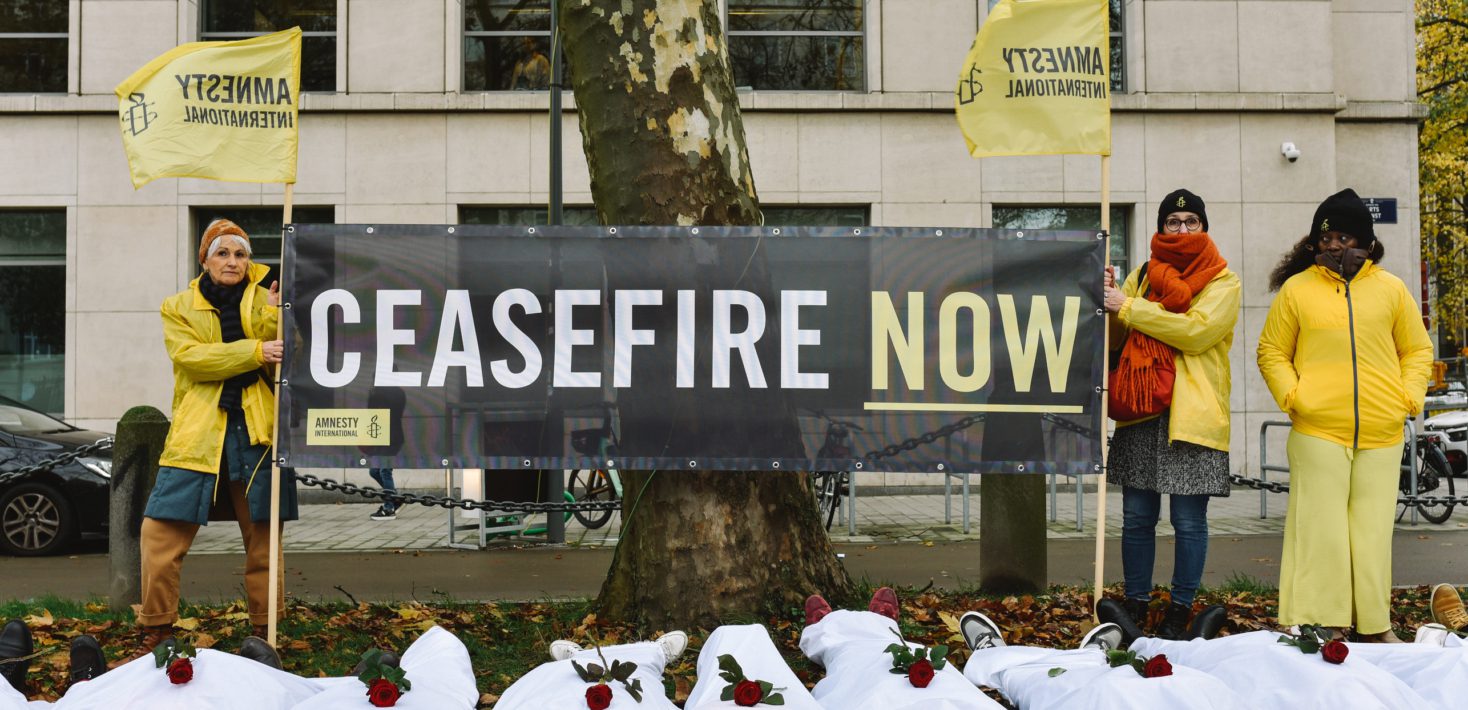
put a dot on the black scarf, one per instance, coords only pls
(227, 300)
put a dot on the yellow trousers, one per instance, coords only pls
(164, 543)
(1337, 564)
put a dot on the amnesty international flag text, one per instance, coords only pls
(216, 110)
(1037, 80)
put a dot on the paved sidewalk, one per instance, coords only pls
(342, 527)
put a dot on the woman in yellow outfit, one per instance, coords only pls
(1345, 354)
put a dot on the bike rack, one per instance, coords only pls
(1409, 440)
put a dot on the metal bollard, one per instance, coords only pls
(139, 443)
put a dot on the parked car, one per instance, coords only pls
(1454, 427)
(45, 512)
(1454, 396)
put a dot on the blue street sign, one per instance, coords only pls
(1383, 209)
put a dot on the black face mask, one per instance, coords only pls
(1348, 265)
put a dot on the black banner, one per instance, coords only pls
(876, 349)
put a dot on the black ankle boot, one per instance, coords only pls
(1137, 609)
(1174, 626)
(1113, 612)
(87, 660)
(15, 642)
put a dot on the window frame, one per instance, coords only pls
(48, 260)
(465, 35)
(66, 36)
(206, 36)
(864, 34)
(1122, 216)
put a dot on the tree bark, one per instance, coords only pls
(665, 145)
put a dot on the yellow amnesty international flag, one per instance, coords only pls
(216, 110)
(1038, 80)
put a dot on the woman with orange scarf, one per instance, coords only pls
(1173, 321)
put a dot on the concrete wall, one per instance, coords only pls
(1214, 87)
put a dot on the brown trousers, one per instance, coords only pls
(165, 543)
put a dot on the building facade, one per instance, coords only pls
(436, 111)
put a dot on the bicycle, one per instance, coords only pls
(831, 486)
(1433, 473)
(600, 443)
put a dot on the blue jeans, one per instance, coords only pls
(1140, 510)
(383, 476)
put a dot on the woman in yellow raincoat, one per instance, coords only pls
(221, 336)
(1345, 354)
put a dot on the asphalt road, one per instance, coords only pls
(1427, 557)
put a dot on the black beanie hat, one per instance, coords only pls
(1344, 212)
(1181, 200)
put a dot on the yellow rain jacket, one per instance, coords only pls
(1201, 338)
(201, 363)
(1348, 362)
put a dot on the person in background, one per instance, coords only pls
(220, 333)
(1173, 322)
(1346, 356)
(394, 400)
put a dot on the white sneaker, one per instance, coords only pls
(1106, 637)
(673, 644)
(563, 649)
(979, 631)
(1432, 634)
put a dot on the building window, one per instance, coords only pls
(577, 216)
(33, 308)
(800, 45)
(33, 46)
(263, 226)
(226, 20)
(1117, 13)
(816, 215)
(507, 45)
(1071, 217)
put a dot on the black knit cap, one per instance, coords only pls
(1344, 212)
(1181, 200)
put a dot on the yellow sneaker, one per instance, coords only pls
(1447, 607)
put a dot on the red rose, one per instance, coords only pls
(748, 694)
(1334, 651)
(1157, 667)
(599, 696)
(382, 693)
(180, 671)
(920, 673)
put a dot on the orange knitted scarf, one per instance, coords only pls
(1181, 265)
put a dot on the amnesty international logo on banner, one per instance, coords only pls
(216, 110)
(1037, 80)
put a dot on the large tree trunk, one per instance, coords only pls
(665, 145)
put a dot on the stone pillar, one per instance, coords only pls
(139, 444)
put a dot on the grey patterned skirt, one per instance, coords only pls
(1142, 458)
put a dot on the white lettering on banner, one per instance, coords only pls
(686, 331)
(457, 317)
(516, 338)
(1022, 352)
(567, 337)
(907, 344)
(388, 338)
(792, 336)
(624, 336)
(321, 345)
(948, 342)
(726, 342)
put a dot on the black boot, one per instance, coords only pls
(87, 661)
(1137, 609)
(1174, 626)
(15, 642)
(1207, 623)
(256, 649)
(1114, 612)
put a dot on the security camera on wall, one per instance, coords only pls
(1290, 152)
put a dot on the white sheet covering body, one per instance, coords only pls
(758, 658)
(1438, 674)
(12, 699)
(1088, 683)
(222, 681)
(437, 665)
(858, 672)
(1270, 674)
(556, 685)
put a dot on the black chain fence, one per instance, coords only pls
(103, 444)
(1408, 500)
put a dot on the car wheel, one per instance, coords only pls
(35, 519)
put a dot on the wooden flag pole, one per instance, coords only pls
(273, 596)
(1106, 355)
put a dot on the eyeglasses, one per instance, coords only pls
(1174, 224)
